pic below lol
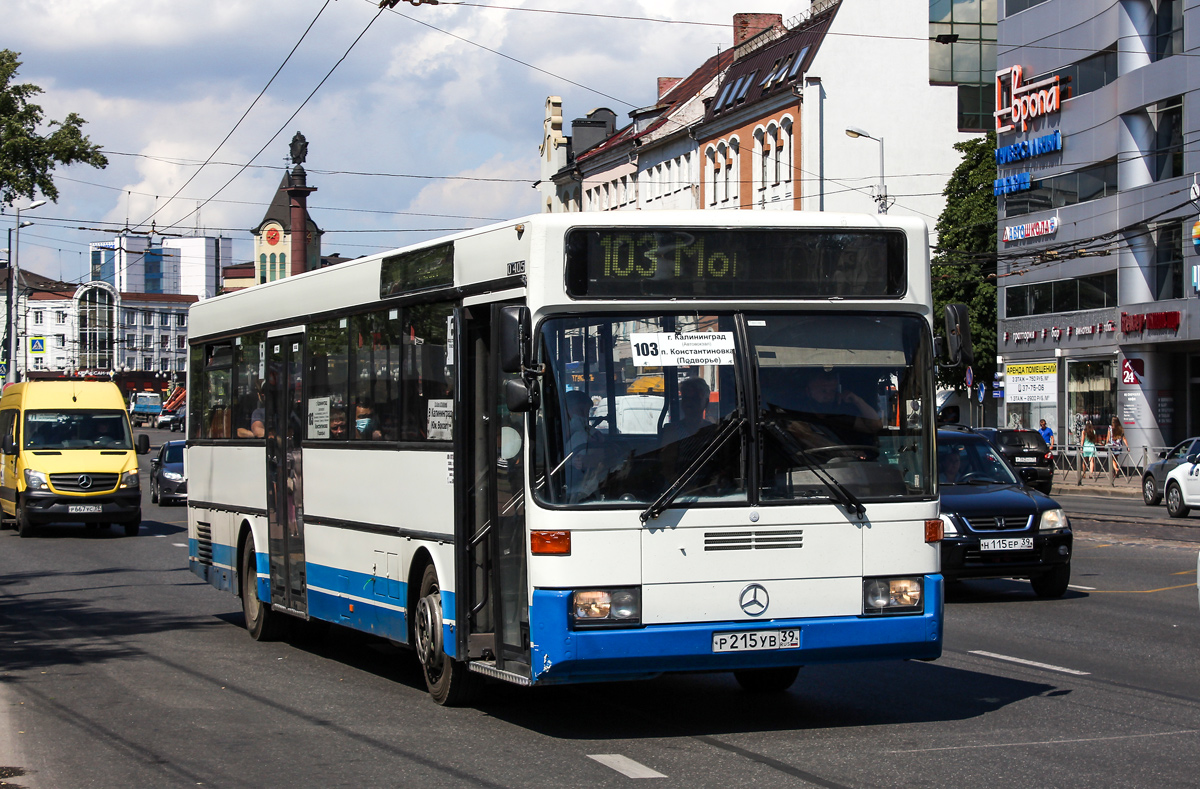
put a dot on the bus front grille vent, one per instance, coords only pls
(84, 483)
(753, 540)
(204, 543)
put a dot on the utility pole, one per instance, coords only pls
(14, 289)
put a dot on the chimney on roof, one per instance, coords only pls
(666, 83)
(747, 26)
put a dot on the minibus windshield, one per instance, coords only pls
(76, 429)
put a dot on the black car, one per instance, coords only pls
(1024, 449)
(1155, 475)
(996, 526)
(167, 480)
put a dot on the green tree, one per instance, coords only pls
(27, 157)
(964, 266)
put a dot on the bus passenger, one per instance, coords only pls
(585, 447)
(366, 424)
(257, 427)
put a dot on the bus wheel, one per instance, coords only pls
(262, 623)
(450, 683)
(767, 680)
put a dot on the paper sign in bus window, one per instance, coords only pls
(441, 420)
(654, 349)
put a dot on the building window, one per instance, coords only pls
(1080, 186)
(1061, 295)
(60, 341)
(1091, 394)
(130, 342)
(181, 319)
(164, 342)
(130, 318)
(147, 364)
(60, 317)
(1016, 6)
(1168, 261)
(38, 317)
(147, 342)
(1168, 29)
(131, 362)
(164, 319)
(181, 365)
(262, 267)
(1167, 117)
(962, 51)
(975, 104)
(181, 343)
(147, 318)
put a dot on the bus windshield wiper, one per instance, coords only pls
(836, 489)
(669, 495)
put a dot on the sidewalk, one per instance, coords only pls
(1067, 482)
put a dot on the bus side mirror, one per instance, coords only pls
(10, 446)
(958, 335)
(514, 338)
(520, 396)
(143, 444)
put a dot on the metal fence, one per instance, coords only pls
(1116, 465)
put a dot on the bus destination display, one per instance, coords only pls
(731, 263)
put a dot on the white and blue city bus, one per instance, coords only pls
(580, 447)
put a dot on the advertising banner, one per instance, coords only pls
(1035, 382)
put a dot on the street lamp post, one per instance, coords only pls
(14, 290)
(881, 195)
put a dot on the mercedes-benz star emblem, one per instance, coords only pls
(85, 481)
(754, 599)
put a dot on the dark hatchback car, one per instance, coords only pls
(167, 480)
(1024, 449)
(1154, 478)
(996, 526)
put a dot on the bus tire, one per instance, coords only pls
(262, 622)
(767, 680)
(450, 682)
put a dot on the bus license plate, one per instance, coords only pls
(1009, 544)
(81, 508)
(756, 640)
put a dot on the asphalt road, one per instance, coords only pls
(119, 668)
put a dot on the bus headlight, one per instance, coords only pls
(130, 479)
(36, 480)
(606, 607)
(892, 595)
(1053, 520)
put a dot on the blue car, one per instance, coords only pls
(996, 524)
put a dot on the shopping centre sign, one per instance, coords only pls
(1017, 103)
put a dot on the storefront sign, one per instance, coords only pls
(1132, 371)
(1012, 183)
(1133, 324)
(1027, 149)
(1017, 104)
(1031, 383)
(1044, 227)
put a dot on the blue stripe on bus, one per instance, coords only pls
(222, 555)
(563, 655)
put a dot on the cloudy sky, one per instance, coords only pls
(432, 120)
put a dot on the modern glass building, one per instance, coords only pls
(1098, 277)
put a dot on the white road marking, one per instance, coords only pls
(179, 544)
(1051, 742)
(625, 766)
(1033, 663)
(1082, 588)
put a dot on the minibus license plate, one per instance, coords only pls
(756, 640)
(1009, 544)
(80, 508)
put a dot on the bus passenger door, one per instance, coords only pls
(284, 422)
(494, 551)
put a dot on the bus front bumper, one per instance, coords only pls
(560, 654)
(115, 507)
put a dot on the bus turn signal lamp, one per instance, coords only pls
(557, 543)
(933, 530)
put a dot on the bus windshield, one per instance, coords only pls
(77, 429)
(813, 407)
